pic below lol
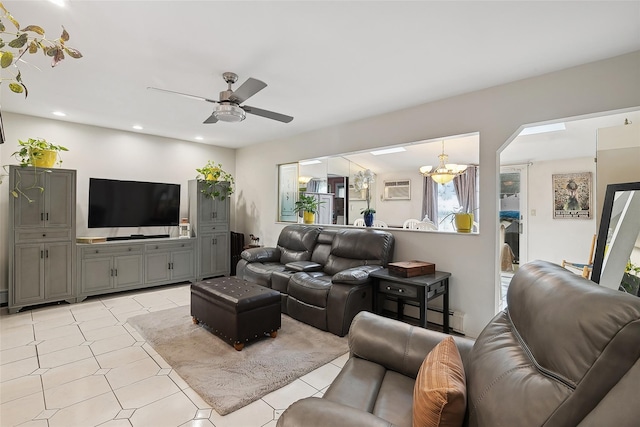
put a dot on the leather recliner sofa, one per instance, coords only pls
(322, 274)
(566, 352)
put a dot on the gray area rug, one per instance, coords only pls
(228, 379)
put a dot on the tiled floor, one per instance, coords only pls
(78, 365)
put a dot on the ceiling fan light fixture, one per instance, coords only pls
(444, 172)
(229, 113)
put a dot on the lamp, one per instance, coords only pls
(229, 113)
(444, 172)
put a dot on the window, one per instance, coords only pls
(447, 203)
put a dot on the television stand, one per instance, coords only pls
(138, 236)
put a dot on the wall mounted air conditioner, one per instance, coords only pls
(397, 190)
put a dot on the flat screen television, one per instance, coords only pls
(114, 203)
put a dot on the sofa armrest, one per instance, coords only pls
(355, 275)
(261, 254)
(396, 345)
(317, 412)
(304, 266)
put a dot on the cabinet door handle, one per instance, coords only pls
(41, 216)
(46, 253)
(111, 272)
(47, 216)
(41, 254)
(389, 288)
(168, 266)
(115, 270)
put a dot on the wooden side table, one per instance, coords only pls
(419, 289)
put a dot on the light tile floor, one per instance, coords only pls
(79, 365)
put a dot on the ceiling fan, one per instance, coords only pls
(228, 108)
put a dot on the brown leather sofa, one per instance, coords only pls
(566, 352)
(322, 274)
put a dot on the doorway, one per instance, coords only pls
(513, 221)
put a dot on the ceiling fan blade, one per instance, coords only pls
(247, 90)
(266, 113)
(199, 98)
(210, 119)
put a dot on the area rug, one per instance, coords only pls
(228, 379)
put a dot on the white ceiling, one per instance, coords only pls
(324, 62)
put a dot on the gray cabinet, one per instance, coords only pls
(126, 265)
(42, 236)
(214, 254)
(108, 268)
(209, 220)
(169, 262)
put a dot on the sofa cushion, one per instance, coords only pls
(296, 243)
(357, 385)
(395, 399)
(355, 275)
(310, 288)
(439, 395)
(260, 272)
(298, 266)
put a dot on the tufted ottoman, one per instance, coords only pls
(235, 310)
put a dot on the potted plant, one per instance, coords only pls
(216, 183)
(38, 152)
(631, 279)
(363, 181)
(462, 221)
(308, 205)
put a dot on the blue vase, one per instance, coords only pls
(368, 219)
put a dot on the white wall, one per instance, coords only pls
(557, 239)
(496, 113)
(395, 212)
(107, 153)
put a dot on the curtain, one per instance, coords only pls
(430, 200)
(466, 186)
(313, 186)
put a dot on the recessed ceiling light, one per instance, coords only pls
(309, 162)
(388, 151)
(58, 113)
(198, 138)
(138, 127)
(543, 129)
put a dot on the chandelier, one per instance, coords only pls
(444, 172)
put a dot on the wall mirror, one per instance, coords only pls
(397, 192)
(618, 245)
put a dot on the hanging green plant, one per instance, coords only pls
(216, 182)
(30, 39)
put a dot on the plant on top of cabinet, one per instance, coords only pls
(38, 152)
(217, 184)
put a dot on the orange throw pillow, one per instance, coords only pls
(440, 394)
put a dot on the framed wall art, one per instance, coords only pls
(572, 196)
